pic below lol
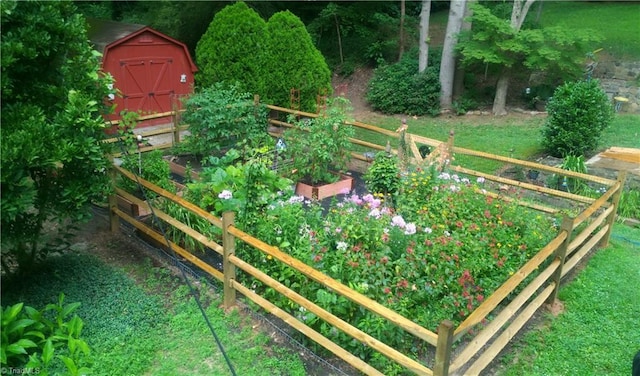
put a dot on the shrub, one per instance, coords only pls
(319, 147)
(383, 176)
(149, 166)
(233, 49)
(294, 63)
(399, 89)
(578, 113)
(223, 116)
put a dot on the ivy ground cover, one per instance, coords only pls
(435, 251)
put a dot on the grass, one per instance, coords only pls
(624, 132)
(617, 22)
(511, 136)
(597, 333)
(152, 327)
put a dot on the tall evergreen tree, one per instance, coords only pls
(233, 49)
(294, 63)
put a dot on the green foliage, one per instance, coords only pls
(556, 50)
(629, 206)
(44, 340)
(294, 62)
(578, 114)
(150, 166)
(444, 243)
(222, 116)
(369, 31)
(383, 175)
(233, 50)
(399, 88)
(319, 147)
(129, 324)
(53, 161)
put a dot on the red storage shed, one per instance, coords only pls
(152, 71)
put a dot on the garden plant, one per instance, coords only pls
(443, 242)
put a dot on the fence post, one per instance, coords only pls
(229, 248)
(443, 348)
(114, 220)
(561, 253)
(615, 201)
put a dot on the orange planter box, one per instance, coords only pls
(326, 190)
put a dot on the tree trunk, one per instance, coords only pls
(423, 52)
(335, 17)
(500, 100)
(448, 62)
(402, 14)
(518, 14)
(458, 78)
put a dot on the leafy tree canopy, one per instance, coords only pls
(53, 162)
(557, 50)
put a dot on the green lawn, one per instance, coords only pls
(598, 333)
(153, 326)
(617, 21)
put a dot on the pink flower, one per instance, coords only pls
(398, 221)
(410, 229)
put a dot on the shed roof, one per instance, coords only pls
(104, 32)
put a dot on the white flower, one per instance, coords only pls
(296, 199)
(454, 188)
(444, 176)
(225, 195)
(375, 213)
(428, 230)
(341, 246)
(480, 180)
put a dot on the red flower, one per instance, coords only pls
(387, 290)
(479, 298)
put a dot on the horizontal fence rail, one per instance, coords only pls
(497, 319)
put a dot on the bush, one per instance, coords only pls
(578, 113)
(295, 63)
(383, 176)
(399, 89)
(233, 49)
(223, 116)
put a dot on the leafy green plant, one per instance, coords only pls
(221, 117)
(443, 242)
(399, 89)
(383, 175)
(53, 161)
(463, 105)
(319, 147)
(578, 114)
(34, 340)
(629, 205)
(150, 166)
(571, 184)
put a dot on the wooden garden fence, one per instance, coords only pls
(576, 237)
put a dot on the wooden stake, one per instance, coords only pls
(615, 201)
(561, 254)
(229, 270)
(443, 348)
